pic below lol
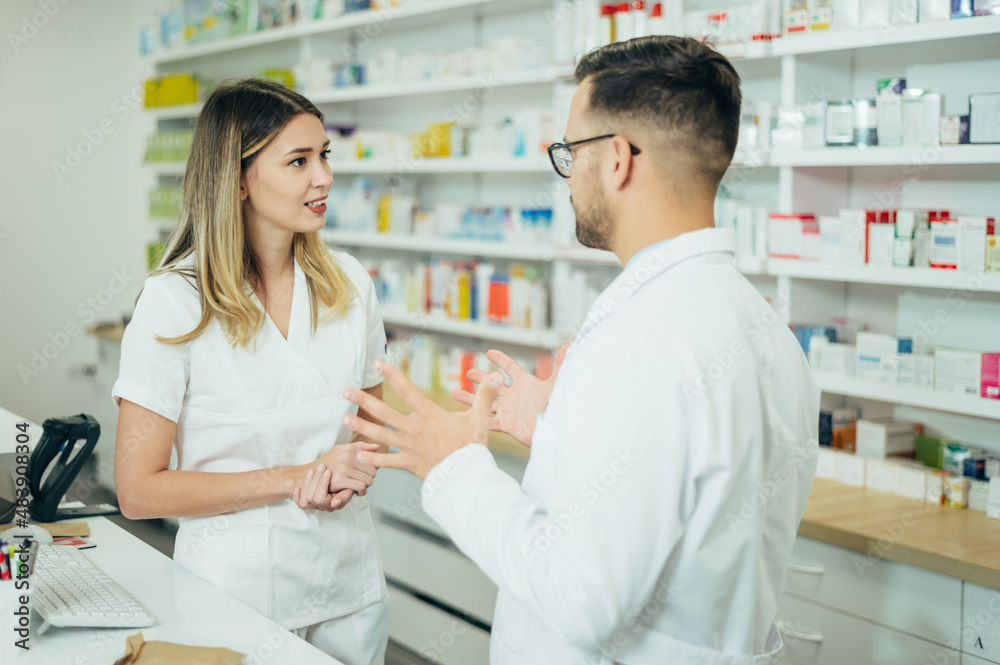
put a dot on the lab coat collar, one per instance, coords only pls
(651, 262)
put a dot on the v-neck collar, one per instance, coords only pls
(298, 283)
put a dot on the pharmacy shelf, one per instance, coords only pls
(929, 278)
(167, 169)
(429, 11)
(404, 167)
(875, 156)
(969, 405)
(387, 91)
(435, 86)
(177, 112)
(972, 32)
(413, 243)
(458, 247)
(541, 339)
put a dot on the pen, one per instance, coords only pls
(12, 554)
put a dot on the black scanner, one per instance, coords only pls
(57, 449)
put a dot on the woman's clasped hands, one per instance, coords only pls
(336, 478)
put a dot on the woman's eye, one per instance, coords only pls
(325, 154)
(296, 162)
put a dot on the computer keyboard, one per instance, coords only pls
(69, 590)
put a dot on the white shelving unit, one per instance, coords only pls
(419, 321)
(968, 405)
(952, 57)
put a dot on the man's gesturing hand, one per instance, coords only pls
(429, 433)
(520, 403)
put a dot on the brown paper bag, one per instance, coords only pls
(140, 652)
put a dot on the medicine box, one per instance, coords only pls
(911, 482)
(984, 117)
(974, 468)
(992, 247)
(936, 487)
(877, 354)
(929, 450)
(972, 243)
(843, 425)
(979, 495)
(853, 222)
(955, 455)
(880, 475)
(880, 438)
(990, 379)
(956, 492)
(881, 237)
(850, 470)
(993, 499)
(957, 371)
(944, 244)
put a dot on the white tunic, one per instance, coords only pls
(667, 477)
(277, 404)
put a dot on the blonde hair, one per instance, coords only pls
(238, 120)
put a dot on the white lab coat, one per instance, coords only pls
(667, 477)
(277, 404)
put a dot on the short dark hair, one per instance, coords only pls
(676, 84)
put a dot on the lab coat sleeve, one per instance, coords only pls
(620, 492)
(152, 374)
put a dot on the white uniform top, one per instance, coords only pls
(667, 477)
(243, 410)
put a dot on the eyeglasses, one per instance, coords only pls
(561, 154)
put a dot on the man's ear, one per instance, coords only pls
(622, 164)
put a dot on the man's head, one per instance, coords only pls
(672, 105)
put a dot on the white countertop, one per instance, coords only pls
(187, 609)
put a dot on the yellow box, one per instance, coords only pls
(421, 142)
(439, 137)
(171, 90)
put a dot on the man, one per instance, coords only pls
(673, 451)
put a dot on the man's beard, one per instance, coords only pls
(593, 222)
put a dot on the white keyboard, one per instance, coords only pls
(67, 589)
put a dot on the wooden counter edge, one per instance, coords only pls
(900, 552)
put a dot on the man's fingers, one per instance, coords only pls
(388, 460)
(467, 398)
(341, 498)
(371, 431)
(506, 363)
(463, 396)
(487, 395)
(375, 407)
(406, 390)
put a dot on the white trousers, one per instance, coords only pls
(354, 639)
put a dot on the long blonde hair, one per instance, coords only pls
(238, 119)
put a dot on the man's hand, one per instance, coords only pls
(426, 436)
(520, 403)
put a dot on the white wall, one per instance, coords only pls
(65, 237)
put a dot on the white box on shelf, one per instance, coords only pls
(984, 117)
(880, 244)
(957, 371)
(915, 370)
(971, 243)
(979, 495)
(902, 252)
(879, 438)
(850, 469)
(829, 239)
(880, 475)
(944, 244)
(826, 463)
(934, 10)
(875, 13)
(876, 357)
(922, 248)
(903, 12)
(889, 107)
(852, 235)
(935, 488)
(921, 118)
(993, 499)
(836, 358)
(814, 125)
(909, 220)
(911, 482)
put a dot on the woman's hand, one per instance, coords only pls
(337, 477)
(517, 410)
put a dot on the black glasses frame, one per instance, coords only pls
(568, 146)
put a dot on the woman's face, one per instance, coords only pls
(285, 188)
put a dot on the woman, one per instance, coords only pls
(241, 344)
